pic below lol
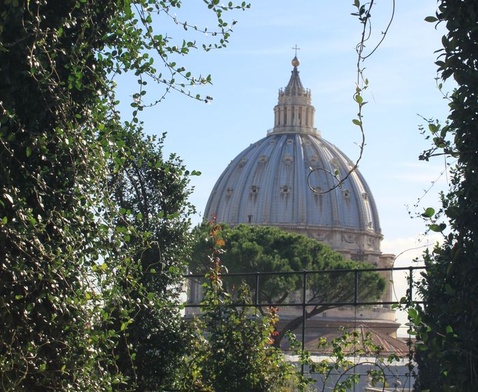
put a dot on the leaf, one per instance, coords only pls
(8, 197)
(432, 127)
(429, 212)
(437, 228)
(431, 19)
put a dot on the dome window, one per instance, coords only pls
(365, 195)
(262, 159)
(346, 193)
(242, 162)
(313, 159)
(285, 189)
(229, 191)
(288, 159)
(290, 141)
(254, 189)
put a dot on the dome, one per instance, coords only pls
(291, 179)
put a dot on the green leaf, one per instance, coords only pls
(431, 19)
(429, 212)
(437, 228)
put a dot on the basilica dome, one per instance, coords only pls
(294, 179)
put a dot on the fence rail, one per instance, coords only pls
(311, 280)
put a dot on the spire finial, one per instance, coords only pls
(295, 60)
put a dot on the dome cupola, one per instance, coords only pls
(288, 179)
(294, 112)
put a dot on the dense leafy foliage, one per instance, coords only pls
(448, 359)
(266, 250)
(151, 196)
(77, 240)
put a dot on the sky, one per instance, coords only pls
(257, 62)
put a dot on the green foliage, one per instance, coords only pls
(150, 194)
(234, 351)
(447, 324)
(74, 264)
(266, 249)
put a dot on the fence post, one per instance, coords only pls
(356, 287)
(304, 312)
(256, 296)
(410, 287)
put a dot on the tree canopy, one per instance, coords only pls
(269, 250)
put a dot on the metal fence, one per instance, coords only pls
(342, 296)
(308, 279)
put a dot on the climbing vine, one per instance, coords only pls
(449, 354)
(363, 12)
(69, 282)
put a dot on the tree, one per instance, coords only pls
(266, 249)
(63, 259)
(151, 194)
(447, 324)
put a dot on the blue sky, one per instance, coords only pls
(248, 73)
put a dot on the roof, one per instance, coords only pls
(365, 337)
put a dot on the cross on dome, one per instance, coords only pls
(295, 61)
